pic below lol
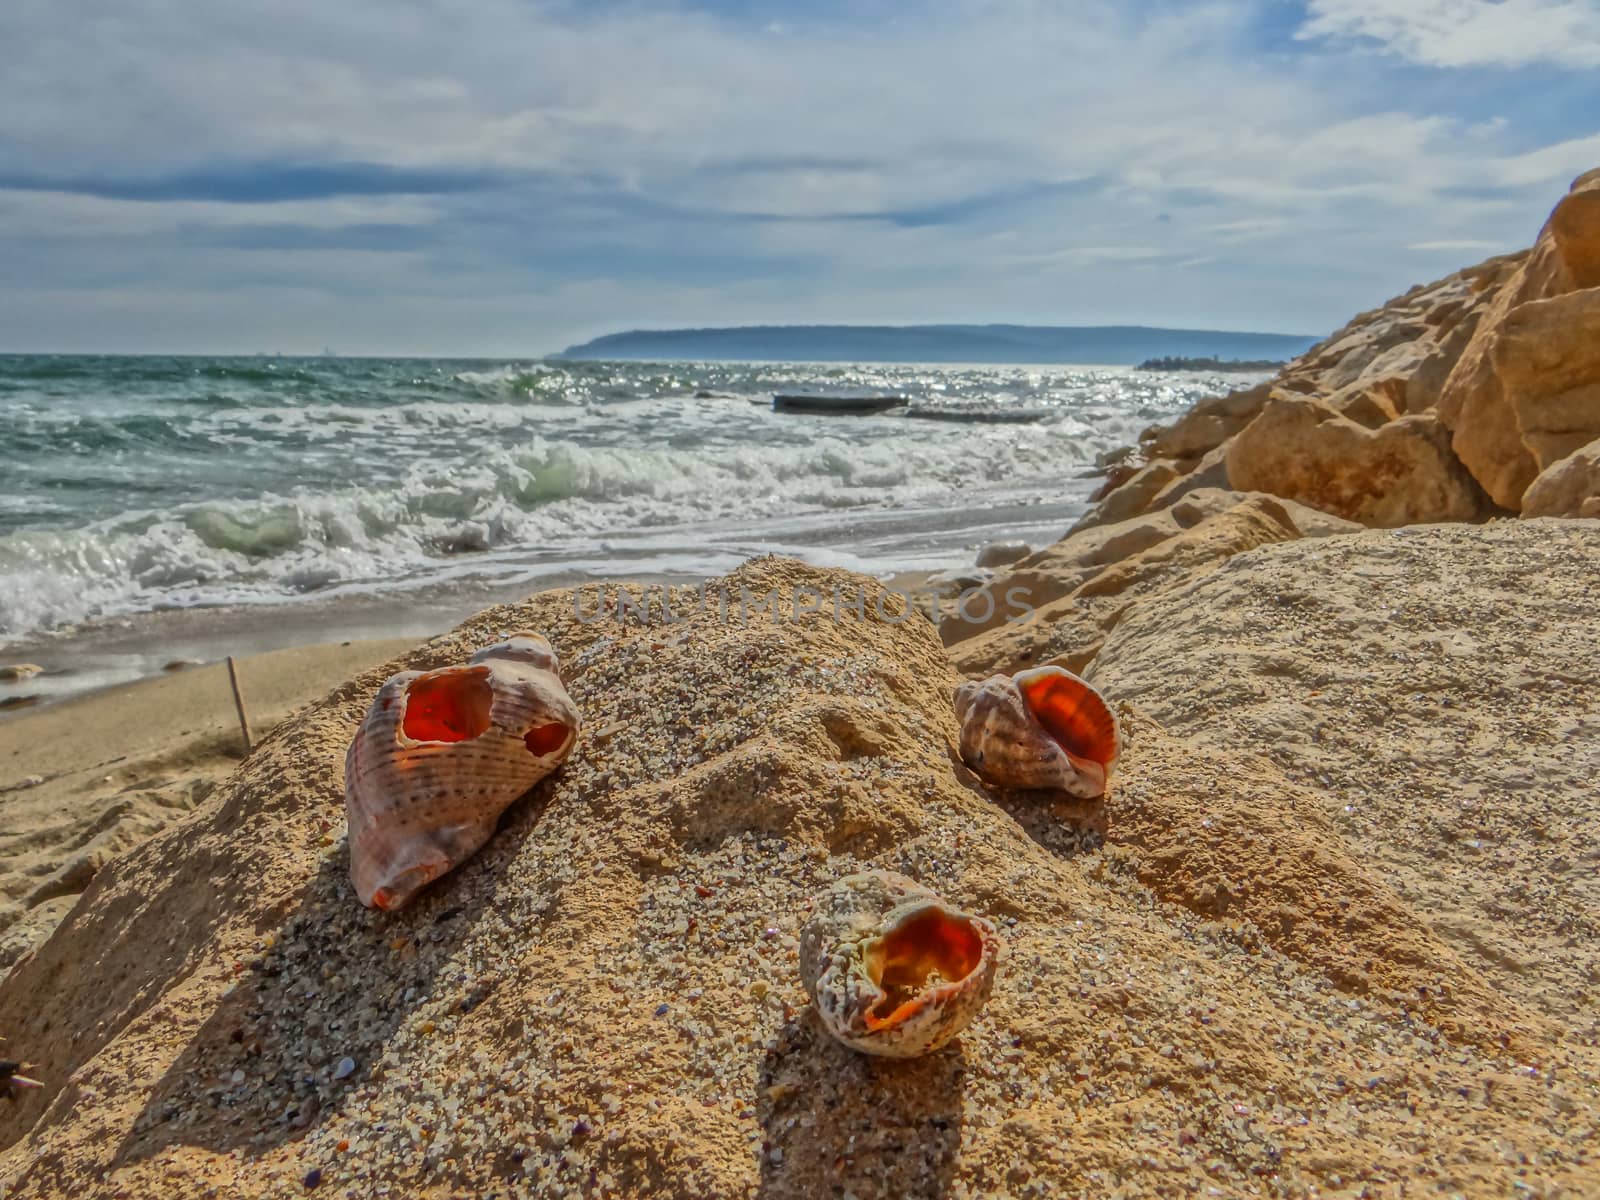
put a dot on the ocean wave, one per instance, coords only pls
(145, 483)
(548, 493)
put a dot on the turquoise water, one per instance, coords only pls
(144, 483)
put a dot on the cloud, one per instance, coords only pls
(512, 175)
(261, 183)
(1466, 33)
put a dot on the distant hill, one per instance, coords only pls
(1107, 344)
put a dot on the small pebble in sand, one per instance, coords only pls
(345, 1069)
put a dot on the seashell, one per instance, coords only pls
(441, 754)
(891, 968)
(1040, 728)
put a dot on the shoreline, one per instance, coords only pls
(102, 652)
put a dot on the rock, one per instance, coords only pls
(1526, 387)
(1199, 533)
(1568, 488)
(1547, 357)
(1000, 554)
(1402, 473)
(1118, 466)
(1210, 472)
(1133, 497)
(17, 672)
(1206, 425)
(1371, 404)
(181, 664)
(838, 406)
(9, 702)
(1575, 230)
(964, 579)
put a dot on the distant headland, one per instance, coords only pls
(1110, 345)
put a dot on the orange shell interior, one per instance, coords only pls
(448, 706)
(545, 739)
(453, 706)
(1073, 713)
(902, 963)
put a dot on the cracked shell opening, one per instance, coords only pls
(448, 706)
(930, 949)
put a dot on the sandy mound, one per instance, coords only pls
(1210, 982)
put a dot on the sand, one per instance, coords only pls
(1217, 982)
(87, 779)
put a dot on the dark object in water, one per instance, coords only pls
(837, 406)
(980, 416)
(1177, 363)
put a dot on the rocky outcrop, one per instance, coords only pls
(1058, 605)
(1206, 425)
(1526, 390)
(1265, 956)
(1568, 488)
(1401, 473)
(1505, 354)
(1134, 495)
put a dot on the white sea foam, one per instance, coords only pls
(358, 478)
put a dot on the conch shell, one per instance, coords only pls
(892, 968)
(1040, 728)
(441, 754)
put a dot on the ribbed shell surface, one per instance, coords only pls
(842, 961)
(418, 806)
(1069, 743)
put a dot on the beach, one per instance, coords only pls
(1326, 925)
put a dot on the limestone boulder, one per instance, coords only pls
(1575, 230)
(1526, 386)
(1568, 488)
(1402, 473)
(1206, 425)
(1000, 554)
(1371, 404)
(1133, 496)
(1547, 358)
(1210, 472)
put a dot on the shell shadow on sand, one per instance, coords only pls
(835, 1122)
(284, 1049)
(1064, 825)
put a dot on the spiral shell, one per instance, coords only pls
(441, 754)
(891, 968)
(1040, 728)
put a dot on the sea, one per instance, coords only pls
(145, 496)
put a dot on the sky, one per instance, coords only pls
(506, 177)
